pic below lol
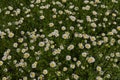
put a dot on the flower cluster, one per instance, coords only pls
(60, 40)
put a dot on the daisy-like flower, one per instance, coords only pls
(68, 57)
(99, 78)
(90, 59)
(52, 64)
(26, 55)
(118, 28)
(98, 68)
(78, 63)
(20, 40)
(32, 74)
(64, 1)
(117, 54)
(4, 78)
(15, 45)
(75, 76)
(41, 44)
(25, 78)
(42, 17)
(97, 1)
(45, 71)
(65, 68)
(84, 54)
(72, 66)
(34, 65)
(93, 25)
(1, 63)
(65, 36)
(81, 46)
(88, 46)
(70, 47)
(72, 18)
(51, 24)
(10, 34)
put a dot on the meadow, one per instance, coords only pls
(59, 39)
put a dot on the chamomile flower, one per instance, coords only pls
(10, 34)
(32, 74)
(41, 44)
(52, 64)
(1, 63)
(91, 59)
(45, 72)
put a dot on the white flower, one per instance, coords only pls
(88, 18)
(63, 28)
(26, 55)
(113, 1)
(10, 7)
(41, 44)
(25, 78)
(70, 47)
(72, 18)
(7, 12)
(105, 19)
(4, 78)
(94, 13)
(86, 1)
(80, 45)
(45, 72)
(99, 78)
(118, 28)
(32, 74)
(68, 57)
(72, 66)
(78, 63)
(71, 28)
(117, 54)
(113, 14)
(85, 36)
(75, 76)
(92, 38)
(108, 76)
(98, 68)
(67, 79)
(65, 36)
(10, 35)
(97, 1)
(51, 24)
(84, 54)
(52, 64)
(65, 68)
(58, 73)
(54, 16)
(42, 17)
(91, 59)
(56, 51)
(61, 47)
(34, 65)
(32, 47)
(107, 13)
(9, 57)
(93, 25)
(74, 59)
(87, 7)
(15, 45)
(1, 63)
(83, 67)
(64, 1)
(20, 40)
(88, 46)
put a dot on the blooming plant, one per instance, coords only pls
(59, 39)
